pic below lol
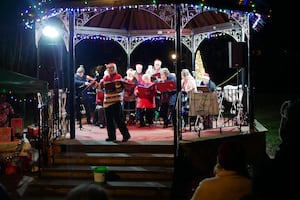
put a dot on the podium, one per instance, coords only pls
(203, 103)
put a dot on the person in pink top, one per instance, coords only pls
(188, 85)
(138, 75)
(146, 92)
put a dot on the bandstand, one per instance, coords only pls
(131, 25)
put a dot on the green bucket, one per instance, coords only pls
(100, 174)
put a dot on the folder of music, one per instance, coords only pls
(128, 87)
(166, 86)
(146, 91)
(113, 86)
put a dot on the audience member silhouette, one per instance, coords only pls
(231, 180)
(4, 194)
(272, 176)
(87, 191)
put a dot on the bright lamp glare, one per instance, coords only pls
(173, 56)
(50, 32)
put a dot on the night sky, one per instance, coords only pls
(274, 49)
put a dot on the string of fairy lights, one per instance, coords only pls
(149, 39)
(14, 98)
(39, 9)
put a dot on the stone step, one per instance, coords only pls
(114, 159)
(60, 187)
(139, 173)
(136, 170)
(112, 147)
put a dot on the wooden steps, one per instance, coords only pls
(114, 172)
(114, 159)
(131, 175)
(136, 170)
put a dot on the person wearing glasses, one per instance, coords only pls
(272, 177)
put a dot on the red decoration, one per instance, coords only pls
(10, 169)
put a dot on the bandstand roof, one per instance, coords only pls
(130, 25)
(141, 19)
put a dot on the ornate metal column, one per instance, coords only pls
(177, 133)
(71, 74)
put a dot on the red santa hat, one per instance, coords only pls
(205, 76)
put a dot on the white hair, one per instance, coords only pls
(80, 69)
(112, 65)
(146, 77)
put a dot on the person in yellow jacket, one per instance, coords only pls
(231, 180)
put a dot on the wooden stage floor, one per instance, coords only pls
(155, 133)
